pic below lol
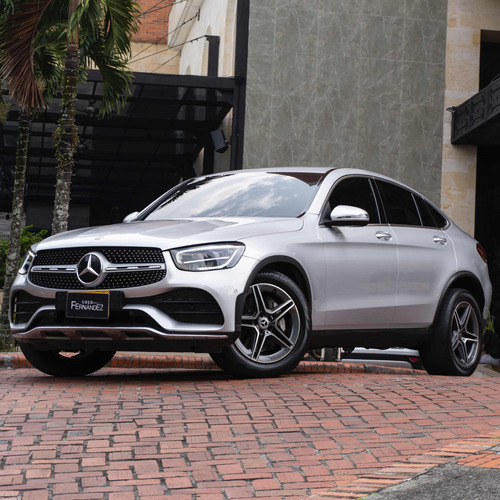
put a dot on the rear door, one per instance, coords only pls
(361, 262)
(426, 257)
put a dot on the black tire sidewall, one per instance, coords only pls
(52, 363)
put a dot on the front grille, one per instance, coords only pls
(114, 280)
(186, 305)
(25, 305)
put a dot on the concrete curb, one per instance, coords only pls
(474, 452)
(172, 361)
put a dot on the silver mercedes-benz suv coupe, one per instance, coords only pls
(255, 267)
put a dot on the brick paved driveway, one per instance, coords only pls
(131, 434)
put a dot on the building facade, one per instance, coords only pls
(150, 50)
(348, 84)
(371, 84)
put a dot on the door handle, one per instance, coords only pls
(440, 240)
(381, 235)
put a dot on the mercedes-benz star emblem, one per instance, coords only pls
(89, 269)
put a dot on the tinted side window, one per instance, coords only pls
(356, 192)
(440, 220)
(430, 216)
(399, 206)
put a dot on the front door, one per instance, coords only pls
(361, 263)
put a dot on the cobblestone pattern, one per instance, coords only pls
(128, 434)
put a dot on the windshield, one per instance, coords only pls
(253, 194)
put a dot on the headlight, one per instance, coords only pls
(26, 262)
(209, 257)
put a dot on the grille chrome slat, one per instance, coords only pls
(53, 269)
(130, 334)
(116, 255)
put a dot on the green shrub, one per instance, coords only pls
(28, 238)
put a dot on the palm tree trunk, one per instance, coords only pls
(12, 264)
(66, 135)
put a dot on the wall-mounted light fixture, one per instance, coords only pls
(221, 144)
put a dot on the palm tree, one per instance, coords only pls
(99, 33)
(47, 64)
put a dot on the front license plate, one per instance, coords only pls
(94, 305)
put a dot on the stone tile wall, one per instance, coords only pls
(351, 83)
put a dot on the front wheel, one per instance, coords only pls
(67, 364)
(455, 347)
(274, 329)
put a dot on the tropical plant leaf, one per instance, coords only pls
(116, 80)
(16, 53)
(48, 57)
(6, 7)
(121, 20)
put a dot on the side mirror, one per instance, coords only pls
(130, 217)
(345, 215)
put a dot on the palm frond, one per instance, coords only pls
(120, 22)
(89, 16)
(48, 58)
(106, 27)
(116, 80)
(16, 56)
(6, 7)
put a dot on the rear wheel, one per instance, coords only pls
(455, 347)
(67, 364)
(274, 329)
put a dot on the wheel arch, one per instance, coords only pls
(469, 282)
(287, 266)
(466, 281)
(282, 264)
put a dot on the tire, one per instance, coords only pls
(62, 364)
(274, 329)
(455, 347)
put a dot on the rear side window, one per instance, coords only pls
(355, 192)
(400, 208)
(429, 215)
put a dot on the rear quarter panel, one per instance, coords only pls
(469, 261)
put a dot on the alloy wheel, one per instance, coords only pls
(464, 334)
(270, 324)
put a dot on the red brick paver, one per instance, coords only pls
(143, 433)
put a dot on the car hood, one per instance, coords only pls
(168, 234)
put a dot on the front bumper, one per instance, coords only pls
(71, 338)
(187, 310)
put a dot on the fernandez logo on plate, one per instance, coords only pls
(89, 269)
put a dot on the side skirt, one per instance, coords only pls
(380, 339)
